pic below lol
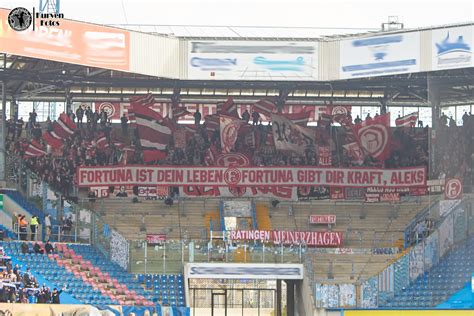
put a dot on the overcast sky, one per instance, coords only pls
(287, 13)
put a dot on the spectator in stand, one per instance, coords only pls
(80, 116)
(19, 127)
(465, 118)
(246, 116)
(368, 117)
(67, 227)
(34, 226)
(103, 118)
(25, 248)
(48, 247)
(197, 117)
(358, 120)
(95, 120)
(37, 249)
(27, 280)
(443, 120)
(49, 125)
(255, 117)
(452, 122)
(124, 122)
(55, 295)
(88, 114)
(33, 116)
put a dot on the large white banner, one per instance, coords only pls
(249, 176)
(452, 47)
(252, 60)
(380, 56)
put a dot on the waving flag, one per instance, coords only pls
(228, 108)
(212, 122)
(375, 136)
(289, 136)
(301, 118)
(407, 120)
(34, 149)
(145, 100)
(179, 111)
(64, 126)
(140, 100)
(152, 133)
(229, 128)
(355, 153)
(265, 107)
(52, 140)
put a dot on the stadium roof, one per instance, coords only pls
(266, 32)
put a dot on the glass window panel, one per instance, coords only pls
(460, 110)
(425, 116)
(395, 111)
(24, 109)
(356, 110)
(409, 109)
(372, 110)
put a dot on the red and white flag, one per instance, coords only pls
(212, 122)
(228, 108)
(152, 133)
(64, 127)
(301, 118)
(265, 107)
(52, 140)
(375, 136)
(211, 155)
(141, 100)
(355, 153)
(229, 128)
(145, 100)
(407, 120)
(34, 149)
(179, 111)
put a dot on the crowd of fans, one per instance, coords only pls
(454, 149)
(22, 287)
(409, 147)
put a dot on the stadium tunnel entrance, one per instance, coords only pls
(217, 289)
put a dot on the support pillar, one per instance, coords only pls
(434, 100)
(2, 134)
(278, 299)
(290, 297)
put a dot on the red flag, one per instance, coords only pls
(265, 107)
(210, 156)
(229, 128)
(212, 122)
(180, 111)
(301, 118)
(140, 100)
(355, 153)
(52, 140)
(228, 108)
(34, 149)
(64, 127)
(407, 120)
(145, 100)
(152, 133)
(100, 141)
(153, 155)
(375, 136)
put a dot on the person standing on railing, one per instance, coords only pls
(34, 227)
